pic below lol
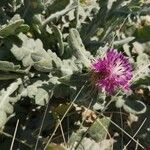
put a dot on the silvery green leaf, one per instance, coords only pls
(72, 5)
(79, 50)
(46, 62)
(123, 41)
(42, 97)
(14, 26)
(142, 66)
(119, 102)
(8, 76)
(70, 66)
(23, 52)
(3, 119)
(8, 66)
(134, 107)
(31, 53)
(5, 106)
(110, 3)
(11, 28)
(37, 92)
(59, 37)
(55, 5)
(96, 131)
(100, 102)
(76, 137)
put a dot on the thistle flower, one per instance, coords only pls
(112, 71)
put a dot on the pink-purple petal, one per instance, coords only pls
(114, 71)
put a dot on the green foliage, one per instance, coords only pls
(59, 36)
(40, 95)
(134, 107)
(78, 47)
(7, 101)
(14, 26)
(97, 130)
(31, 53)
(131, 105)
(46, 50)
(8, 66)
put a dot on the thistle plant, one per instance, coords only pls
(112, 71)
(74, 74)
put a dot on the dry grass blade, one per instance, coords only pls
(36, 145)
(125, 132)
(20, 141)
(84, 121)
(106, 131)
(121, 119)
(64, 116)
(135, 133)
(62, 131)
(12, 143)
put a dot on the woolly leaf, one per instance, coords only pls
(57, 14)
(5, 99)
(134, 107)
(8, 66)
(76, 44)
(76, 137)
(24, 51)
(100, 103)
(3, 119)
(142, 65)
(70, 66)
(14, 26)
(98, 129)
(37, 92)
(120, 102)
(46, 62)
(31, 53)
(7, 76)
(56, 5)
(59, 37)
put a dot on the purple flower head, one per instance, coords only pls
(112, 71)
